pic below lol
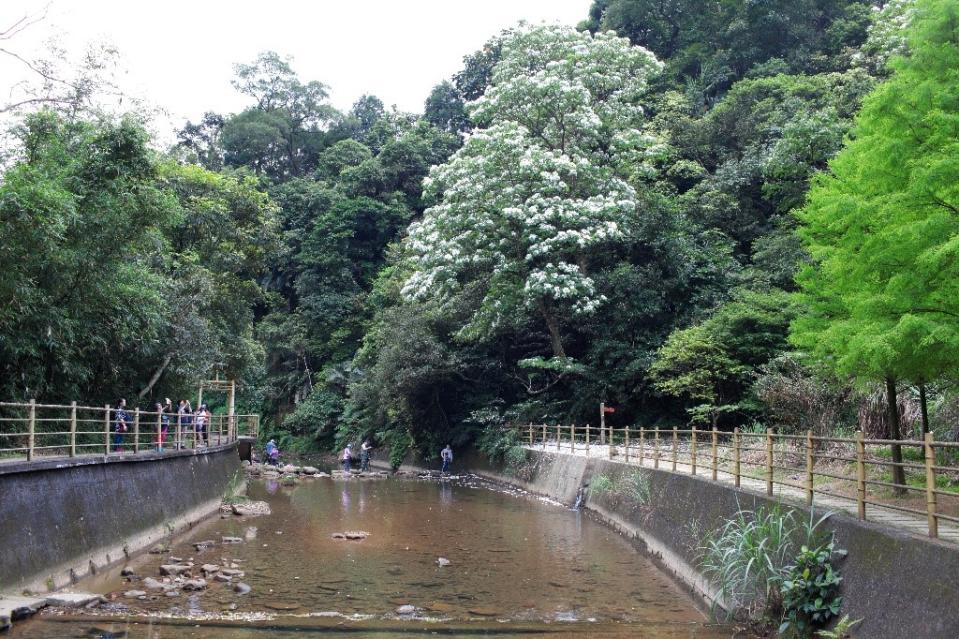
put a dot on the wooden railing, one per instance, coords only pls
(855, 469)
(31, 430)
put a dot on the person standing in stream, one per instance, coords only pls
(365, 449)
(447, 456)
(347, 458)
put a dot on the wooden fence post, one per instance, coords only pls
(715, 454)
(693, 449)
(656, 449)
(642, 445)
(544, 438)
(609, 451)
(106, 428)
(861, 475)
(736, 448)
(572, 438)
(587, 440)
(809, 468)
(931, 506)
(531, 434)
(602, 423)
(675, 446)
(73, 429)
(627, 444)
(136, 430)
(769, 462)
(31, 429)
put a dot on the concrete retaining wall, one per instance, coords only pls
(65, 518)
(900, 585)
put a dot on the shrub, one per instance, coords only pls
(810, 591)
(600, 485)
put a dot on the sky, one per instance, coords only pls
(178, 55)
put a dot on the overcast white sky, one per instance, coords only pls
(178, 54)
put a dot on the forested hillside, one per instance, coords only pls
(615, 211)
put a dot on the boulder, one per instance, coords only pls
(406, 609)
(310, 470)
(173, 570)
(208, 568)
(289, 468)
(222, 578)
(241, 588)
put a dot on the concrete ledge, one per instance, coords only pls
(64, 518)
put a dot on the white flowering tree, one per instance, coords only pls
(540, 184)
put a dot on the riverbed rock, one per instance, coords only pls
(241, 588)
(310, 470)
(134, 594)
(231, 572)
(338, 536)
(222, 578)
(208, 568)
(152, 584)
(172, 593)
(442, 562)
(289, 468)
(406, 609)
(173, 570)
(483, 612)
(251, 509)
(127, 572)
(233, 540)
(200, 546)
(195, 584)
(356, 535)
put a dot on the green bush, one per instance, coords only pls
(810, 590)
(600, 485)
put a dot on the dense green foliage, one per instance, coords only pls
(577, 216)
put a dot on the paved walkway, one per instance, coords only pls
(877, 514)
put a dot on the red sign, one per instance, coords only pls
(609, 409)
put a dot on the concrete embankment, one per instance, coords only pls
(899, 584)
(64, 518)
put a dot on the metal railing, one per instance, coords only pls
(855, 470)
(31, 430)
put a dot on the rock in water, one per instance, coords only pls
(443, 561)
(134, 594)
(251, 509)
(208, 568)
(173, 570)
(152, 584)
(406, 610)
(356, 534)
(195, 584)
(233, 540)
(241, 588)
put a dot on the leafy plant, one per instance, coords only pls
(810, 591)
(841, 631)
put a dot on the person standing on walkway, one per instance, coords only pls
(185, 411)
(347, 458)
(121, 423)
(164, 424)
(201, 434)
(365, 453)
(447, 456)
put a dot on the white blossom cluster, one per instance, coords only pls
(541, 183)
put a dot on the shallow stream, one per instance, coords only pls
(518, 566)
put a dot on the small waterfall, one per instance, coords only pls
(579, 498)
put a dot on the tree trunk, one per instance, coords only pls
(898, 472)
(925, 411)
(156, 376)
(554, 336)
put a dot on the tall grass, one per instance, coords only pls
(745, 559)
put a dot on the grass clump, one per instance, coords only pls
(770, 565)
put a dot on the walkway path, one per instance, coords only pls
(876, 514)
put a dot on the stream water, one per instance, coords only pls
(518, 566)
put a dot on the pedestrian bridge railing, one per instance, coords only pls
(860, 475)
(31, 430)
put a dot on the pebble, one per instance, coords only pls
(443, 561)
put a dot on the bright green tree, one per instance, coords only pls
(883, 226)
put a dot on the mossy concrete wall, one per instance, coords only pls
(899, 584)
(65, 518)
